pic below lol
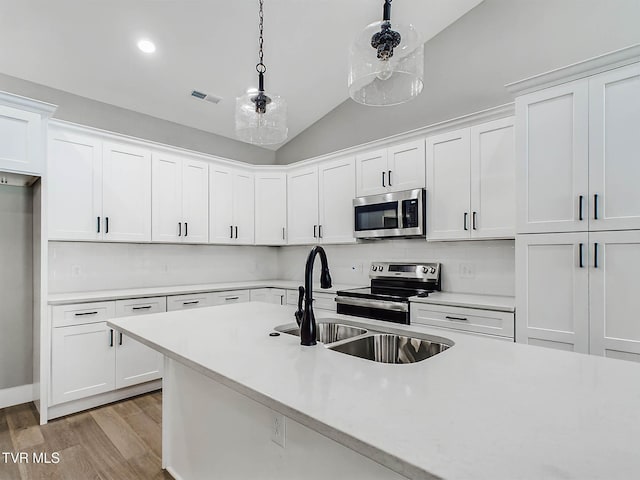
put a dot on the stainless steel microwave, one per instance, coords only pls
(397, 214)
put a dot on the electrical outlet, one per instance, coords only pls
(356, 267)
(278, 428)
(467, 270)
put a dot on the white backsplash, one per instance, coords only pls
(79, 267)
(482, 267)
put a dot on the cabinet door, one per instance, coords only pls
(302, 205)
(552, 291)
(406, 166)
(337, 184)
(126, 193)
(614, 149)
(166, 205)
(271, 208)
(82, 361)
(195, 201)
(371, 173)
(448, 186)
(20, 148)
(75, 186)
(552, 159)
(220, 204)
(493, 196)
(243, 208)
(615, 303)
(268, 295)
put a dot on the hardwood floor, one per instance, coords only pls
(120, 441)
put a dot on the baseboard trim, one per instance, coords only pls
(16, 395)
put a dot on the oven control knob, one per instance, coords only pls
(433, 269)
(380, 267)
(425, 270)
(373, 268)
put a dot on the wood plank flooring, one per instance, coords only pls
(120, 441)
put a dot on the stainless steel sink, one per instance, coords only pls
(329, 332)
(390, 348)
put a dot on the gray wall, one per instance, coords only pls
(16, 286)
(468, 64)
(85, 111)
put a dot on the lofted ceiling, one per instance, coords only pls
(88, 47)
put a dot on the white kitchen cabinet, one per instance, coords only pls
(302, 205)
(82, 361)
(553, 159)
(552, 290)
(614, 149)
(22, 135)
(126, 193)
(231, 296)
(613, 296)
(393, 169)
(180, 199)
(190, 300)
(336, 186)
(231, 205)
(470, 182)
(324, 301)
(269, 295)
(270, 208)
(75, 186)
(320, 202)
(448, 185)
(136, 363)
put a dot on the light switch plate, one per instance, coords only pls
(278, 428)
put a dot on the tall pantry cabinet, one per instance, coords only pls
(578, 242)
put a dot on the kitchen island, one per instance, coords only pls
(481, 409)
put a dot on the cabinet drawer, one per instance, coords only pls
(466, 319)
(184, 302)
(292, 297)
(232, 296)
(324, 301)
(140, 306)
(82, 313)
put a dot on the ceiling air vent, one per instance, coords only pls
(205, 96)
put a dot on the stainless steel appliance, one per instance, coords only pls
(397, 214)
(392, 284)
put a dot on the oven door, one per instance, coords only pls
(396, 312)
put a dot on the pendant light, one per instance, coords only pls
(261, 119)
(386, 63)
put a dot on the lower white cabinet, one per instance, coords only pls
(577, 291)
(472, 320)
(269, 295)
(322, 301)
(135, 362)
(231, 296)
(82, 361)
(190, 300)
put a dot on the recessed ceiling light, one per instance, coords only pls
(147, 46)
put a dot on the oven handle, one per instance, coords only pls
(379, 304)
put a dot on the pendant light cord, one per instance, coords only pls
(260, 67)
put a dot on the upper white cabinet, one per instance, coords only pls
(75, 186)
(126, 193)
(270, 208)
(231, 205)
(577, 148)
(392, 169)
(180, 205)
(470, 182)
(320, 203)
(23, 133)
(614, 149)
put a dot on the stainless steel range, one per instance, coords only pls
(392, 284)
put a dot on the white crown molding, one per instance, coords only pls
(36, 106)
(575, 71)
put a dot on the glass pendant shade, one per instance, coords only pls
(379, 78)
(266, 128)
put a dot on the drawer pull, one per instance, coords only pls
(146, 307)
(85, 313)
(462, 319)
(232, 298)
(120, 342)
(193, 302)
(111, 337)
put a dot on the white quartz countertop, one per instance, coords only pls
(467, 300)
(104, 295)
(481, 409)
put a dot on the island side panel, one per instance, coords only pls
(211, 431)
